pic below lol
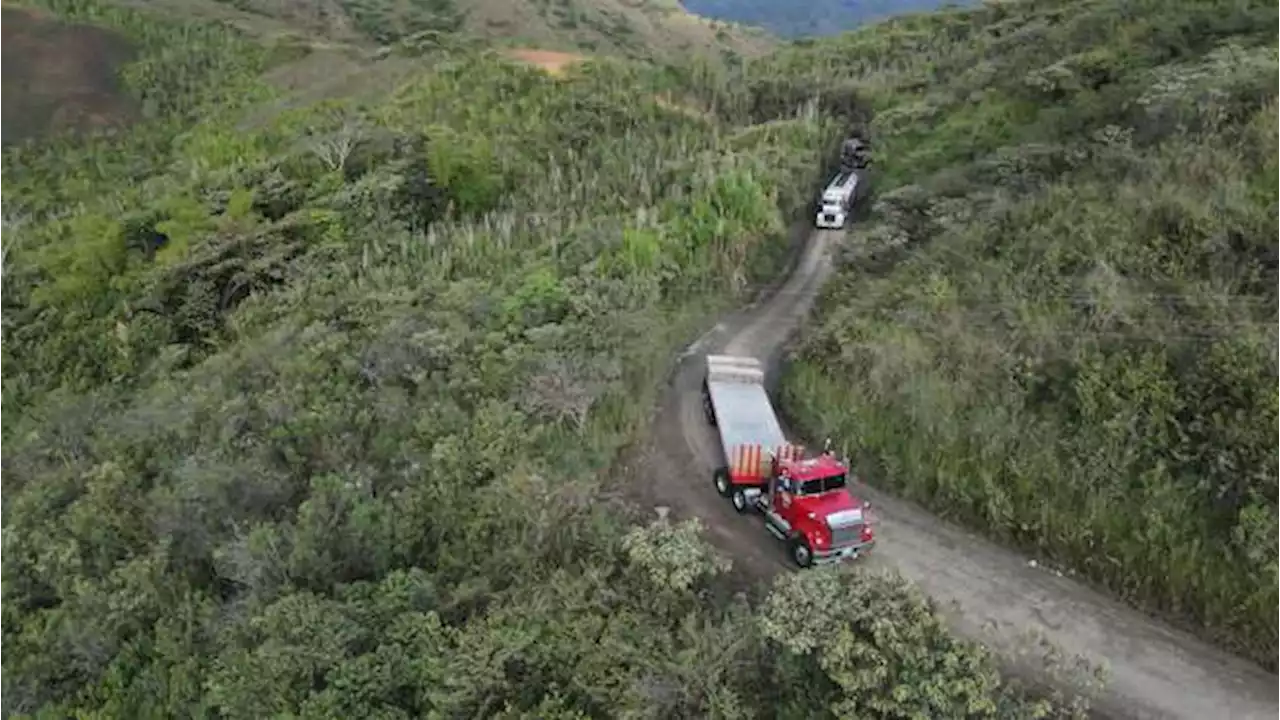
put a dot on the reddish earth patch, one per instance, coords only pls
(59, 77)
(552, 61)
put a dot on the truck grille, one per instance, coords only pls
(847, 535)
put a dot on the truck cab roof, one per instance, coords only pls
(831, 499)
(813, 468)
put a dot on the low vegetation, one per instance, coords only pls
(1061, 326)
(314, 412)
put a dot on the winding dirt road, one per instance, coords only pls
(985, 592)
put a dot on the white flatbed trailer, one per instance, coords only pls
(736, 403)
(743, 413)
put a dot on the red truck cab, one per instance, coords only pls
(807, 504)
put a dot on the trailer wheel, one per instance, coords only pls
(721, 478)
(801, 554)
(739, 500)
(708, 409)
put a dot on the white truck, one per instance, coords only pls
(837, 200)
(804, 501)
(839, 195)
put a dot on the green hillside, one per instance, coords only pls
(631, 28)
(317, 370)
(1061, 326)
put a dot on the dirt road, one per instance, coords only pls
(986, 592)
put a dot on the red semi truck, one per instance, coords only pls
(804, 501)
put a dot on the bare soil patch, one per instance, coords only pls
(552, 61)
(60, 77)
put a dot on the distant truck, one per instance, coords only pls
(805, 501)
(838, 196)
(855, 154)
(837, 201)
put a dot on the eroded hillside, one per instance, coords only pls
(61, 77)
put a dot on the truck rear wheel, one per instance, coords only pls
(721, 478)
(739, 500)
(801, 553)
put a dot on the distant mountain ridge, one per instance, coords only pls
(820, 17)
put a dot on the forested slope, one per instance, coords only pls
(1061, 326)
(314, 411)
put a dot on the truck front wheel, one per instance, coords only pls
(801, 553)
(722, 481)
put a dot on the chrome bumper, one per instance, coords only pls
(848, 552)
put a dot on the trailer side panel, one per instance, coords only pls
(748, 427)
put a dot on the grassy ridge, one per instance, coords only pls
(639, 29)
(312, 415)
(1061, 327)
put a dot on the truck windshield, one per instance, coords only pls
(821, 485)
